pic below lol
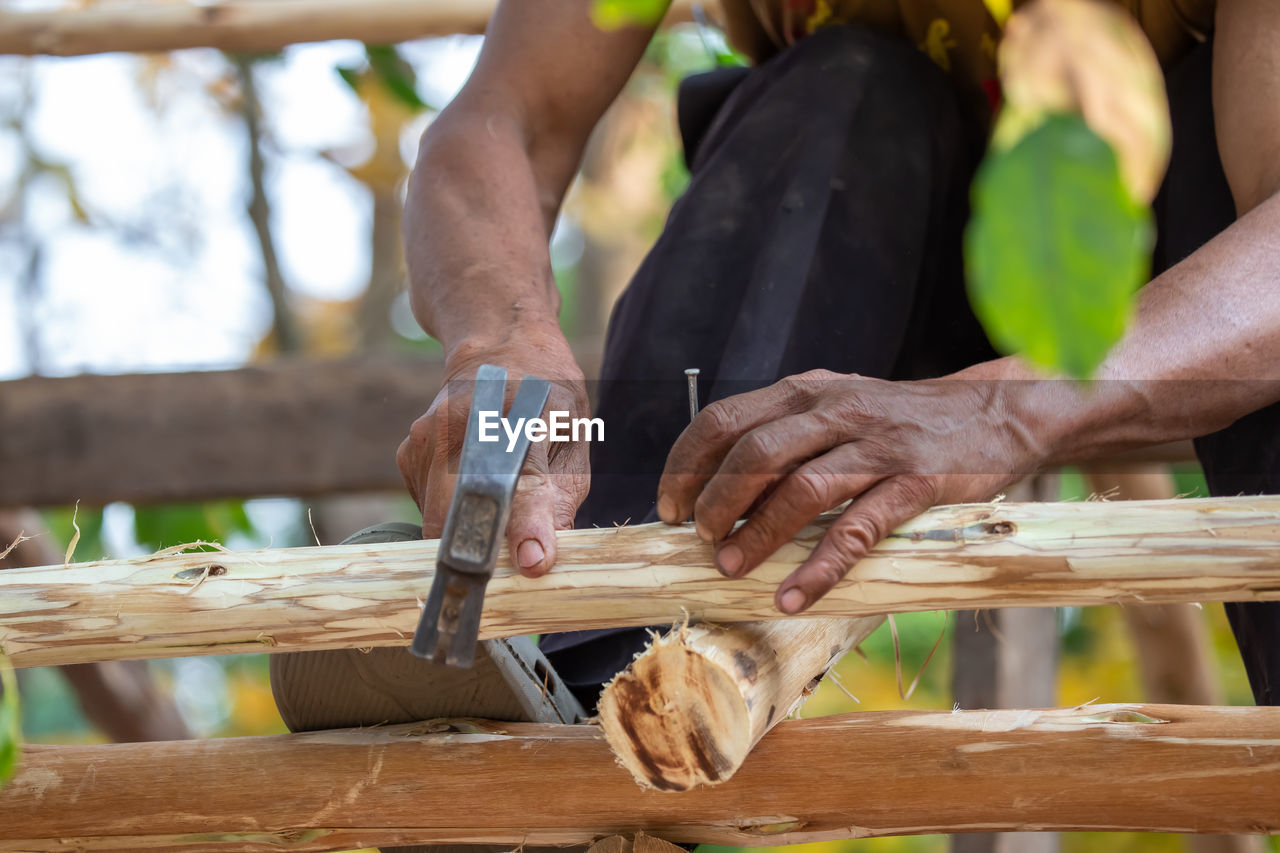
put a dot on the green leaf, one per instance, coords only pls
(615, 14)
(396, 74)
(350, 76)
(1056, 247)
(10, 722)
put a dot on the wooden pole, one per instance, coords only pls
(286, 427)
(241, 26)
(689, 709)
(1102, 767)
(344, 596)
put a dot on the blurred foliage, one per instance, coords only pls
(391, 70)
(1056, 247)
(613, 14)
(1060, 237)
(10, 721)
(156, 527)
(62, 523)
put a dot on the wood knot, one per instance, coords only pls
(1000, 528)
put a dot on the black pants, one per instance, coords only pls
(822, 229)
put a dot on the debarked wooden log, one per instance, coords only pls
(1103, 767)
(354, 596)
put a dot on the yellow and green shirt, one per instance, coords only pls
(959, 35)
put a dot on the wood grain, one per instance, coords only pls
(688, 710)
(343, 596)
(1113, 767)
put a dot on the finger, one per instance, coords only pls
(531, 526)
(760, 458)
(699, 450)
(810, 490)
(868, 519)
(440, 459)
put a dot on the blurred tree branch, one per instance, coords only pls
(284, 327)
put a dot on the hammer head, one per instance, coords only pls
(477, 520)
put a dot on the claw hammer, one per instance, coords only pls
(477, 521)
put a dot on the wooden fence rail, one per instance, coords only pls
(296, 427)
(970, 556)
(1105, 767)
(248, 26)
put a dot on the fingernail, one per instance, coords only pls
(667, 510)
(530, 553)
(729, 560)
(703, 533)
(793, 601)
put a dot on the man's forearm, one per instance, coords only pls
(1203, 351)
(476, 231)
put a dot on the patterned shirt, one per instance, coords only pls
(959, 35)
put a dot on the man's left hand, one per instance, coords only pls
(785, 454)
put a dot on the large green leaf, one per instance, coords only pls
(1056, 247)
(10, 722)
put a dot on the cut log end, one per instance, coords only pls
(676, 718)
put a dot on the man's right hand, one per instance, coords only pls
(556, 475)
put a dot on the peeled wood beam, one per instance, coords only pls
(688, 710)
(342, 596)
(247, 26)
(1102, 767)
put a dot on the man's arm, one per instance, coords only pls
(1215, 315)
(492, 171)
(894, 449)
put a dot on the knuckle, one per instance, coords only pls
(762, 535)
(720, 418)
(858, 407)
(707, 510)
(806, 387)
(917, 490)
(755, 450)
(819, 375)
(814, 490)
(531, 483)
(422, 430)
(854, 535)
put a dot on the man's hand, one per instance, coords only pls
(789, 452)
(556, 476)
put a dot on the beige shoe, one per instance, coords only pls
(343, 688)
